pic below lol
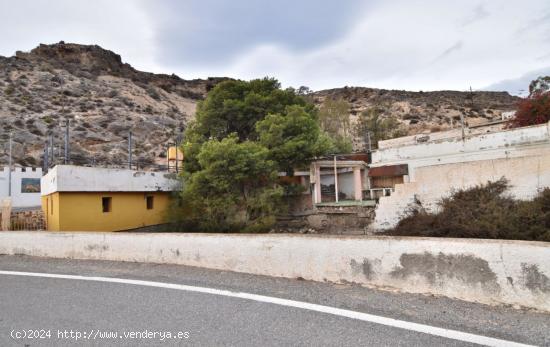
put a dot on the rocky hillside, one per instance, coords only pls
(421, 112)
(104, 99)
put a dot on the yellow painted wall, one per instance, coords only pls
(50, 207)
(172, 153)
(83, 211)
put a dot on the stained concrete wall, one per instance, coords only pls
(437, 168)
(18, 198)
(502, 144)
(527, 177)
(71, 178)
(485, 271)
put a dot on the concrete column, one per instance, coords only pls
(357, 184)
(317, 184)
(335, 180)
(6, 214)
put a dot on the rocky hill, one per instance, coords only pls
(104, 99)
(421, 112)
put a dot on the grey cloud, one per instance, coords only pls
(457, 46)
(520, 85)
(477, 14)
(204, 32)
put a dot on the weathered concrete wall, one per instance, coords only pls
(436, 168)
(504, 144)
(486, 271)
(18, 197)
(527, 177)
(70, 178)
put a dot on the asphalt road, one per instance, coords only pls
(63, 312)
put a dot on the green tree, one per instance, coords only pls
(235, 107)
(293, 138)
(234, 190)
(244, 133)
(334, 120)
(380, 128)
(539, 86)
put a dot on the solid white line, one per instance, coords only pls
(422, 328)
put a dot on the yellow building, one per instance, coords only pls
(175, 158)
(78, 198)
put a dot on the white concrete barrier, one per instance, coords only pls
(485, 271)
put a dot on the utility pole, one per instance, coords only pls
(67, 121)
(52, 153)
(368, 141)
(462, 125)
(168, 157)
(46, 149)
(9, 168)
(130, 150)
(176, 158)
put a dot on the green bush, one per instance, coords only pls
(484, 211)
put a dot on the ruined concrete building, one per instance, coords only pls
(357, 194)
(426, 169)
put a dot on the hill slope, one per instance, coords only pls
(105, 98)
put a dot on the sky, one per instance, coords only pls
(393, 44)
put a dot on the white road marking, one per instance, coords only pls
(422, 328)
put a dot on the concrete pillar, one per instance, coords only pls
(6, 214)
(317, 184)
(336, 191)
(357, 184)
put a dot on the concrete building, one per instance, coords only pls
(336, 181)
(442, 162)
(76, 198)
(25, 186)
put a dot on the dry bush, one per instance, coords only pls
(484, 211)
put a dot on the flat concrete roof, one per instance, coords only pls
(71, 178)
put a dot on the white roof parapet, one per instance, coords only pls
(470, 148)
(70, 178)
(339, 163)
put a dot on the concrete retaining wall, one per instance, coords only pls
(492, 272)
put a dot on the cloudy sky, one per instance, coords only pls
(396, 44)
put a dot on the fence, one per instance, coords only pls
(25, 220)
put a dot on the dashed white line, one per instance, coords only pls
(396, 323)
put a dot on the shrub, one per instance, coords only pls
(484, 211)
(153, 93)
(535, 109)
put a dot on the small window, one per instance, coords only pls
(51, 205)
(149, 200)
(106, 203)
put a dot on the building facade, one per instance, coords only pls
(25, 186)
(446, 161)
(78, 198)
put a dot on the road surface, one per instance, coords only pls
(100, 303)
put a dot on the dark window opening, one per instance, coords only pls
(106, 203)
(149, 201)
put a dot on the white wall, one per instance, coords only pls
(476, 147)
(486, 271)
(71, 178)
(436, 168)
(19, 199)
